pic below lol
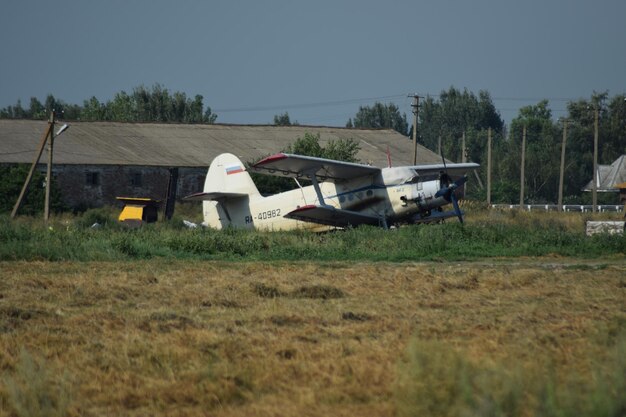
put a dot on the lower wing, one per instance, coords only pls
(332, 217)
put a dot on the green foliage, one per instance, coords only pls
(75, 240)
(11, 181)
(341, 150)
(543, 146)
(454, 113)
(98, 217)
(283, 120)
(380, 116)
(155, 104)
(309, 145)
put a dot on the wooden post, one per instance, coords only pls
(42, 145)
(522, 164)
(489, 167)
(463, 150)
(562, 169)
(46, 211)
(463, 159)
(170, 198)
(595, 162)
(415, 105)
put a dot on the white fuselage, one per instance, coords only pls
(391, 196)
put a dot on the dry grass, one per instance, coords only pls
(166, 337)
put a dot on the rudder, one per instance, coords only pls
(228, 174)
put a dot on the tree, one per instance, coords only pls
(579, 151)
(122, 108)
(309, 145)
(543, 144)
(209, 117)
(380, 116)
(454, 113)
(93, 110)
(342, 150)
(11, 181)
(155, 104)
(282, 119)
(36, 109)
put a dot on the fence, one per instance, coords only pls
(567, 207)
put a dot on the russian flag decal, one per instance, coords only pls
(234, 169)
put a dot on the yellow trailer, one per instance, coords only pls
(138, 210)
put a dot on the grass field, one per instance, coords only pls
(513, 314)
(487, 234)
(509, 336)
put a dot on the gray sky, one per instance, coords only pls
(317, 59)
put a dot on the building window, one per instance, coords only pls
(135, 179)
(92, 179)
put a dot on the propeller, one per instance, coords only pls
(447, 189)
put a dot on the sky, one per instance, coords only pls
(318, 60)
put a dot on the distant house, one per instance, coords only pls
(609, 176)
(96, 161)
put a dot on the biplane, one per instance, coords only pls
(341, 194)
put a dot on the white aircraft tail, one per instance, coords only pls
(227, 175)
(228, 190)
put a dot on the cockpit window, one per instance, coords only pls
(399, 176)
(412, 180)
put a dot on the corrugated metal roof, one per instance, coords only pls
(185, 145)
(609, 176)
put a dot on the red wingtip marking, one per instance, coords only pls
(272, 158)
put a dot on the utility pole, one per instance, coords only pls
(46, 213)
(49, 132)
(522, 164)
(463, 159)
(463, 150)
(42, 145)
(489, 167)
(439, 145)
(415, 105)
(595, 162)
(170, 197)
(562, 169)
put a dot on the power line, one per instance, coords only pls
(304, 105)
(366, 99)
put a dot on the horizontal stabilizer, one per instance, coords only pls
(213, 196)
(331, 216)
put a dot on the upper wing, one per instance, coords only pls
(212, 196)
(299, 166)
(451, 169)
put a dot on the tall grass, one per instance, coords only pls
(437, 380)
(494, 236)
(34, 390)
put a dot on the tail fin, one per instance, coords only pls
(228, 190)
(227, 174)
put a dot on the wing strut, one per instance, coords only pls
(316, 186)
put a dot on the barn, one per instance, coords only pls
(96, 161)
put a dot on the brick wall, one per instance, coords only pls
(88, 186)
